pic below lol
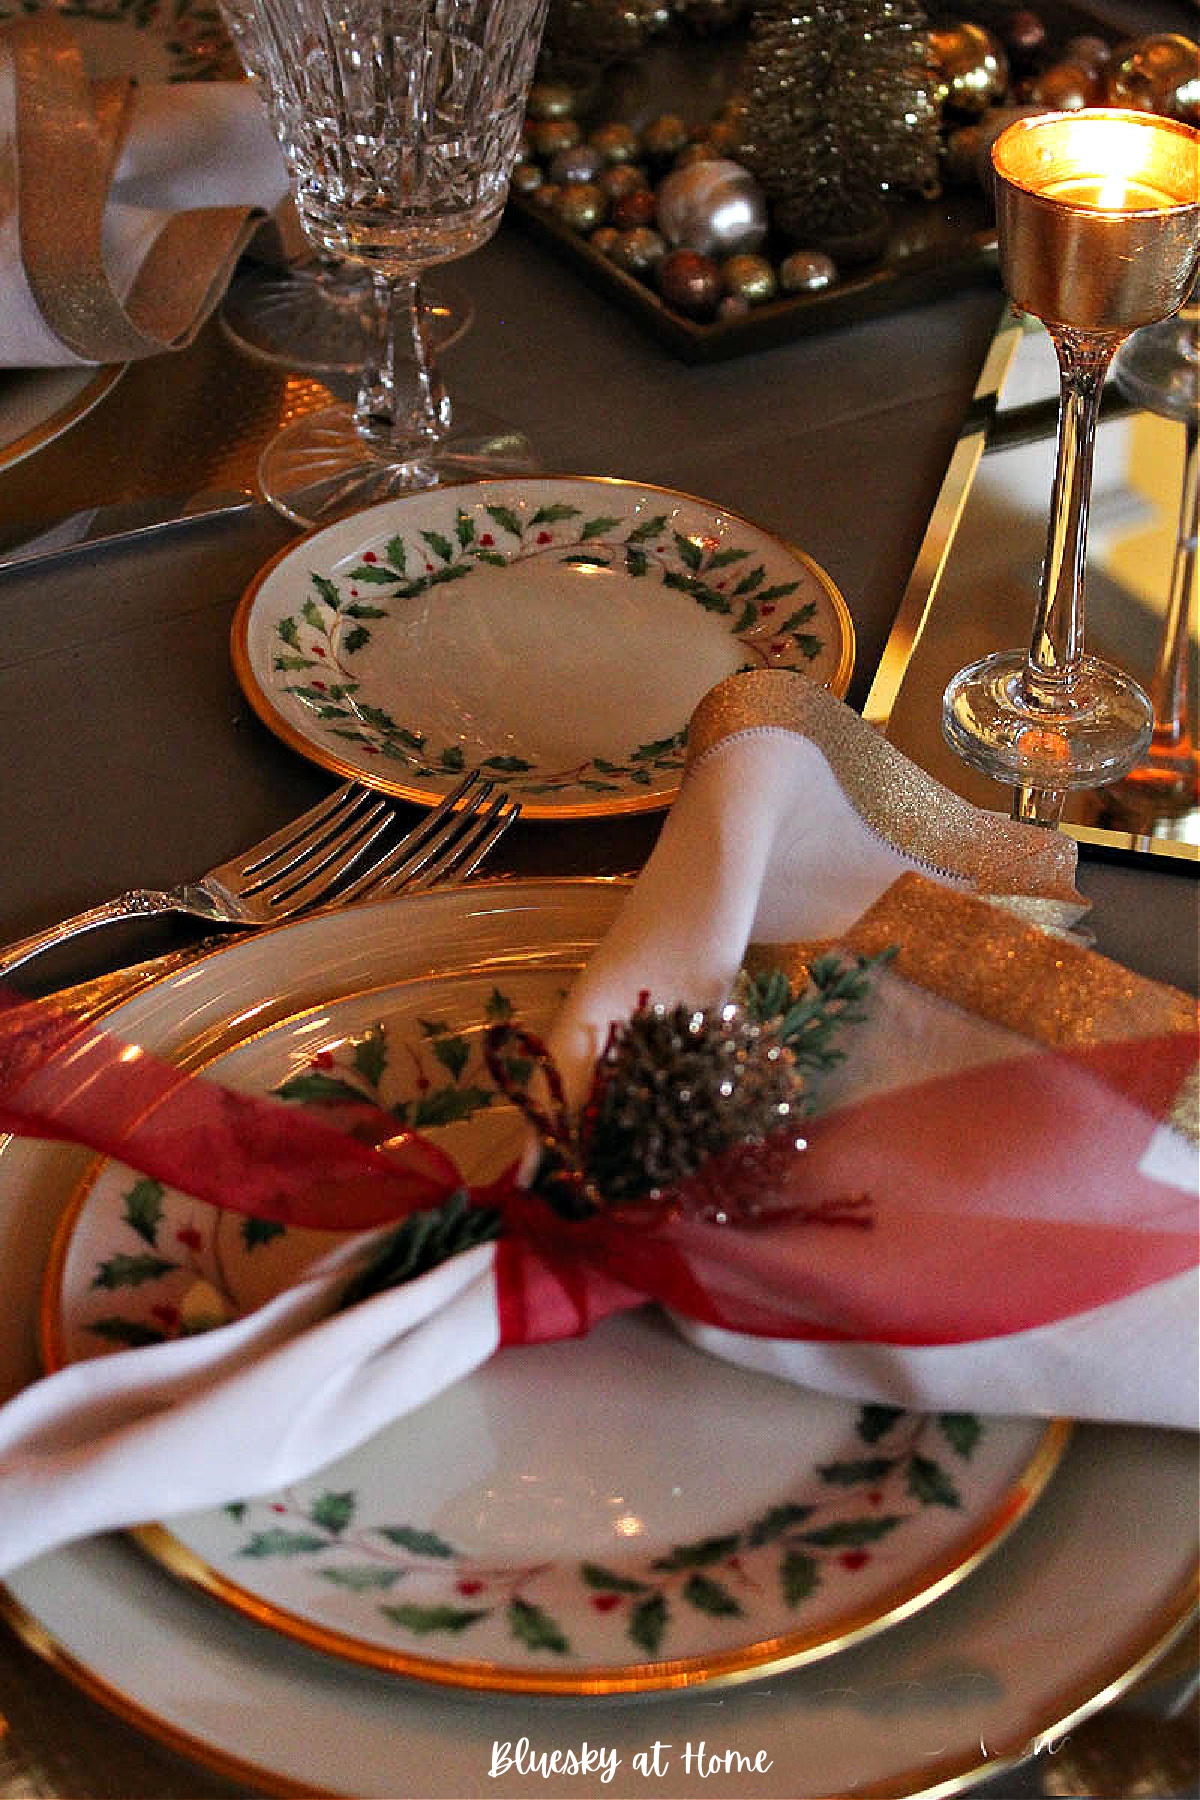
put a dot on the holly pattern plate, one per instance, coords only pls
(155, 40)
(554, 633)
(611, 1513)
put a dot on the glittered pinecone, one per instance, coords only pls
(838, 107)
(676, 1086)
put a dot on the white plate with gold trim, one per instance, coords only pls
(555, 632)
(617, 1513)
(1095, 1581)
(38, 405)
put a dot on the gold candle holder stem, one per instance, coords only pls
(1056, 645)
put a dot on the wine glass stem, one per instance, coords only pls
(402, 403)
(1056, 647)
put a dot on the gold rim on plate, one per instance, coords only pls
(64, 416)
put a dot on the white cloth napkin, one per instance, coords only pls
(783, 831)
(179, 151)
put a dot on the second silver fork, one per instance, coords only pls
(317, 860)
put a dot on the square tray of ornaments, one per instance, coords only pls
(738, 174)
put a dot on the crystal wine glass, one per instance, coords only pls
(318, 315)
(1098, 221)
(399, 121)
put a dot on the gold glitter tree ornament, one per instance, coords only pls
(838, 106)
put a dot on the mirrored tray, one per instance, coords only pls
(975, 580)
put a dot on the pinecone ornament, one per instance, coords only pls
(675, 1087)
(838, 106)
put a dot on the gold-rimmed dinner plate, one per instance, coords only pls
(554, 632)
(38, 405)
(1095, 1582)
(617, 1513)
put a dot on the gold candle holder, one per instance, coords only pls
(1098, 224)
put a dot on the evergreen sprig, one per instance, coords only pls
(809, 1019)
(419, 1243)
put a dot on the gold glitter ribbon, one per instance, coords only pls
(69, 134)
(980, 956)
(914, 813)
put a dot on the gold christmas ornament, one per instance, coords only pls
(1158, 74)
(973, 66)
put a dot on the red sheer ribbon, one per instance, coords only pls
(1002, 1198)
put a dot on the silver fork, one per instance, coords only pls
(310, 863)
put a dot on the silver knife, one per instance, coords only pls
(95, 526)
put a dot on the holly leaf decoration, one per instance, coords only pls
(608, 1583)
(122, 1271)
(144, 1208)
(424, 1619)
(452, 1052)
(647, 1623)
(709, 1596)
(370, 1055)
(420, 1242)
(418, 1542)
(851, 1534)
(132, 1333)
(506, 518)
(532, 1626)
(699, 1555)
(260, 1231)
(856, 1471)
(929, 1483)
(314, 1088)
(332, 1510)
(362, 1578)
(450, 1105)
(773, 1524)
(799, 1576)
(278, 1541)
(874, 1422)
(961, 1430)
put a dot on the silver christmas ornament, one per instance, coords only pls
(716, 208)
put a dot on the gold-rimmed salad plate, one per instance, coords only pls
(556, 633)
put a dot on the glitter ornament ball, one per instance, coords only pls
(716, 208)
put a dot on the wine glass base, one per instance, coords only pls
(321, 317)
(319, 468)
(1094, 737)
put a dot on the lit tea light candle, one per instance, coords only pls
(1097, 216)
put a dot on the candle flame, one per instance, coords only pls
(1118, 157)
